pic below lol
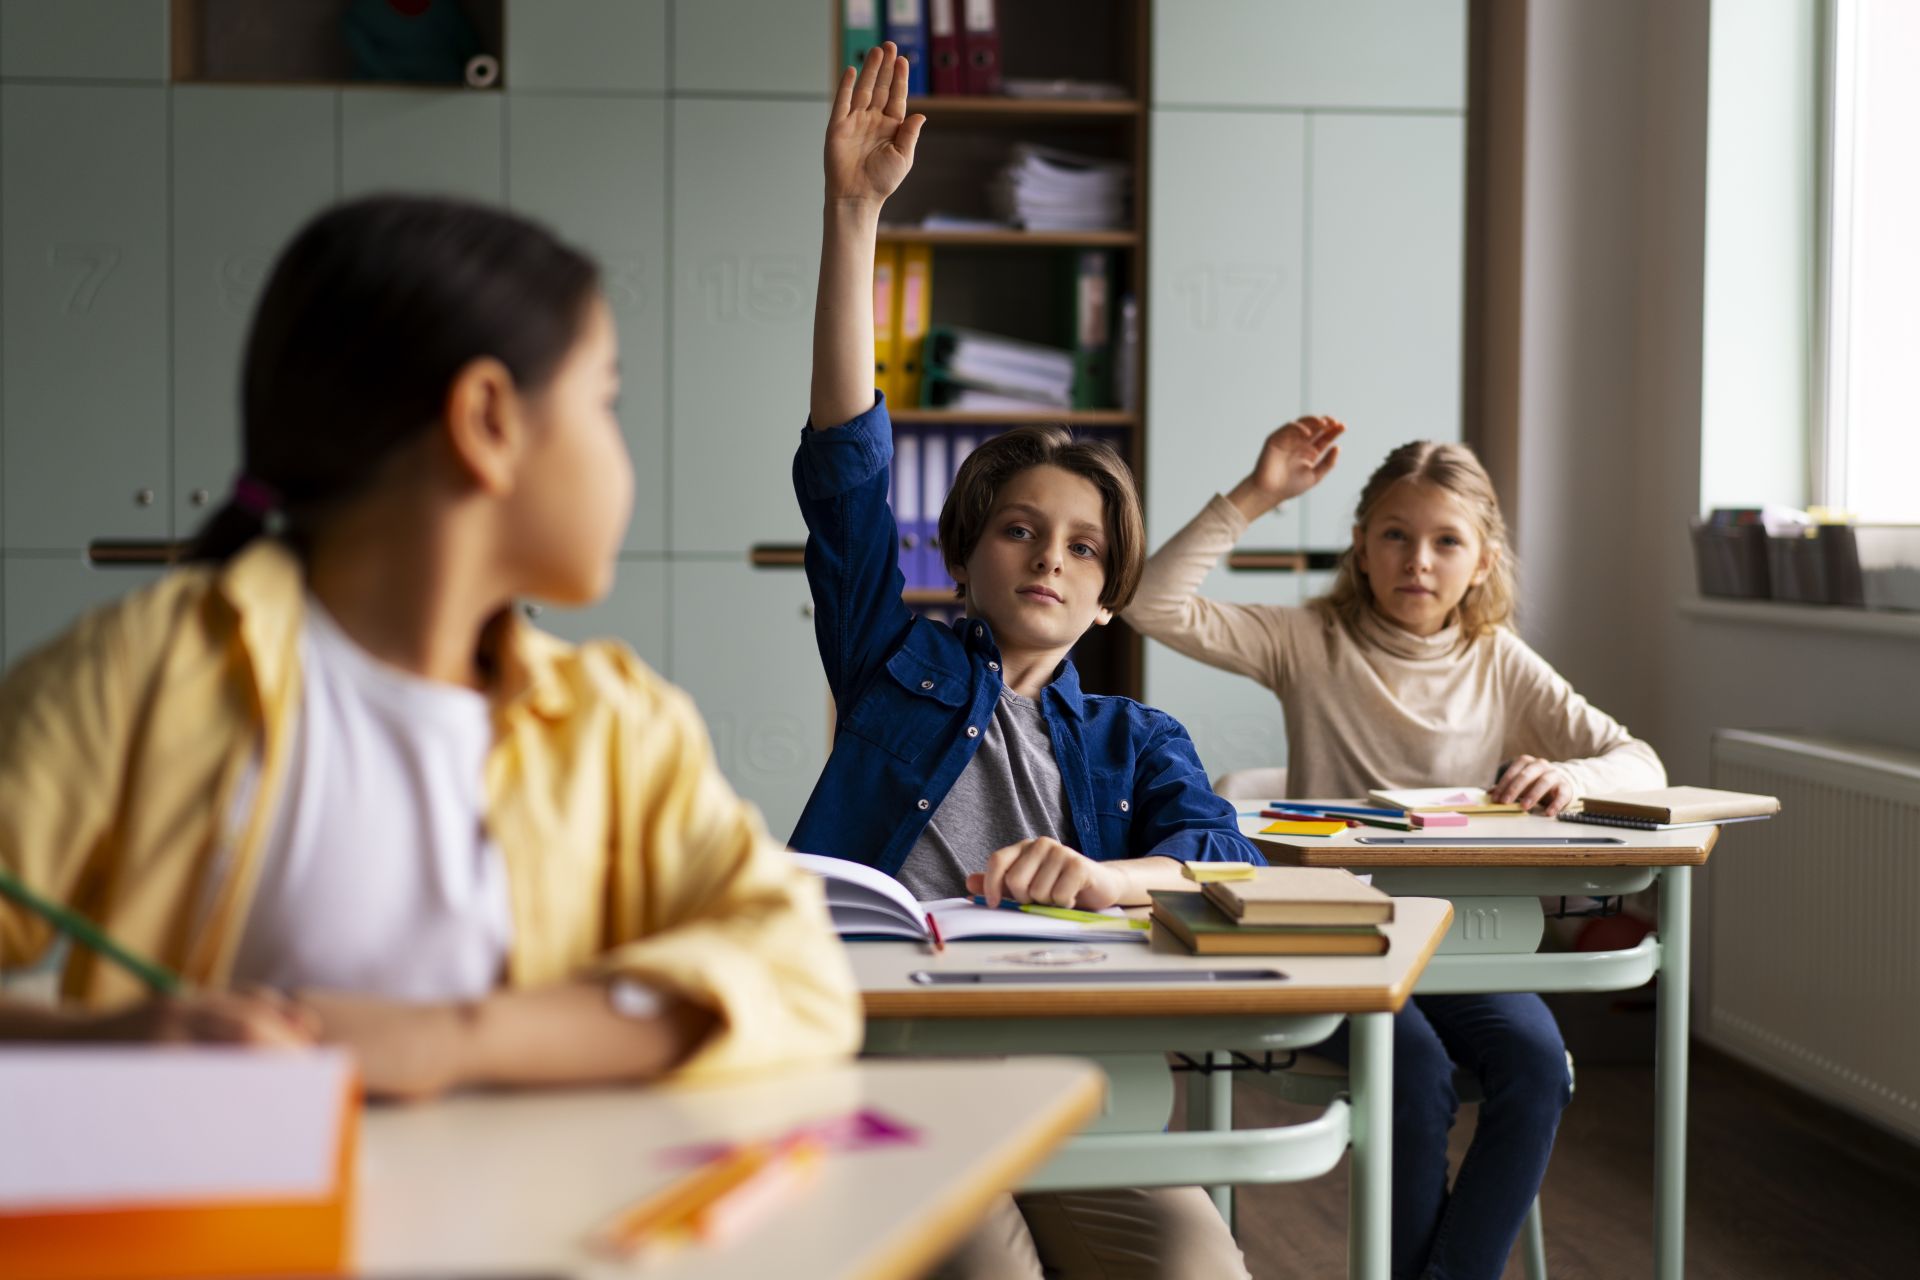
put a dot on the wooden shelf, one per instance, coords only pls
(930, 596)
(1028, 108)
(961, 417)
(1013, 239)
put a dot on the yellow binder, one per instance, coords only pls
(886, 322)
(910, 325)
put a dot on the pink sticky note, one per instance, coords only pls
(1439, 819)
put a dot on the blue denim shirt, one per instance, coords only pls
(909, 693)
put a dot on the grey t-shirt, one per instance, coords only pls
(1010, 791)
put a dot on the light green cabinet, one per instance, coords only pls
(84, 254)
(746, 248)
(617, 45)
(84, 39)
(435, 141)
(634, 612)
(46, 595)
(743, 647)
(1224, 357)
(755, 47)
(1392, 54)
(1386, 257)
(594, 169)
(1235, 722)
(250, 166)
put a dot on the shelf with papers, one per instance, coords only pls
(1013, 238)
(1071, 417)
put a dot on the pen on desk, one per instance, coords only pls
(1309, 815)
(88, 934)
(1073, 914)
(933, 928)
(1354, 809)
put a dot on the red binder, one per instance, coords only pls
(980, 45)
(949, 76)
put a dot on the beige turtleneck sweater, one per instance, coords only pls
(1390, 710)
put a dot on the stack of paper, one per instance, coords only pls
(1044, 189)
(983, 371)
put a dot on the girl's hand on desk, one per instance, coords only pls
(1292, 460)
(870, 137)
(253, 1016)
(1045, 871)
(411, 1052)
(1533, 783)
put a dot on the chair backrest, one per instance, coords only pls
(1269, 783)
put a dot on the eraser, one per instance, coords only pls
(1439, 819)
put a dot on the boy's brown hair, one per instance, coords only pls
(963, 520)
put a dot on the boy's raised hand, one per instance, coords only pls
(1292, 460)
(870, 136)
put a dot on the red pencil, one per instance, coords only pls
(933, 927)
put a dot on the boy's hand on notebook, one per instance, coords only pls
(1045, 871)
(1533, 783)
(870, 136)
(1292, 460)
(253, 1016)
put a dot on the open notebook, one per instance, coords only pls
(866, 903)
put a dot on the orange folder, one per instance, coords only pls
(143, 1235)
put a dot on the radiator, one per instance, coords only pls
(1814, 928)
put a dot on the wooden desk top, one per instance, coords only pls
(1600, 845)
(1312, 984)
(512, 1183)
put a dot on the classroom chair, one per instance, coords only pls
(1266, 783)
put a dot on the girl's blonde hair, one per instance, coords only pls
(1453, 469)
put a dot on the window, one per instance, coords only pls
(1867, 456)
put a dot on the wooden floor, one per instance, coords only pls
(1779, 1186)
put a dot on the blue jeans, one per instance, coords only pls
(1511, 1044)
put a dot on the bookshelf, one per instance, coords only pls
(306, 42)
(1019, 283)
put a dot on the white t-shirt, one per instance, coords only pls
(378, 875)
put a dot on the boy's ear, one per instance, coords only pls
(486, 425)
(1103, 617)
(958, 572)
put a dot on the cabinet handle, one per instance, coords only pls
(777, 555)
(199, 497)
(143, 497)
(806, 610)
(120, 553)
(532, 610)
(1282, 561)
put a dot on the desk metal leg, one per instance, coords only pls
(1370, 1178)
(1670, 1074)
(1219, 1120)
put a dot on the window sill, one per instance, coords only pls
(1804, 617)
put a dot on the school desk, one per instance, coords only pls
(512, 1183)
(1495, 875)
(1132, 1005)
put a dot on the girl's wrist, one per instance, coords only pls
(1251, 501)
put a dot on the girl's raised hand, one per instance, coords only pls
(1292, 460)
(870, 136)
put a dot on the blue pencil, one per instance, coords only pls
(1336, 808)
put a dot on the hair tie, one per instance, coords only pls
(255, 496)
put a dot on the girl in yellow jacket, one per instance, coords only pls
(331, 776)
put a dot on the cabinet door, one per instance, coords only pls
(45, 596)
(616, 45)
(1406, 54)
(1386, 257)
(634, 612)
(85, 363)
(250, 166)
(1235, 722)
(83, 39)
(743, 647)
(746, 245)
(595, 170)
(755, 46)
(421, 140)
(1223, 360)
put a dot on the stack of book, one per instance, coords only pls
(1045, 189)
(1669, 808)
(982, 372)
(1278, 911)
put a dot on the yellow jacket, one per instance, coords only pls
(122, 743)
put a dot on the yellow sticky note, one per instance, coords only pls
(1302, 827)
(1217, 872)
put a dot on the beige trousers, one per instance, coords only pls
(1162, 1233)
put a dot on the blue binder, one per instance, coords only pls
(906, 26)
